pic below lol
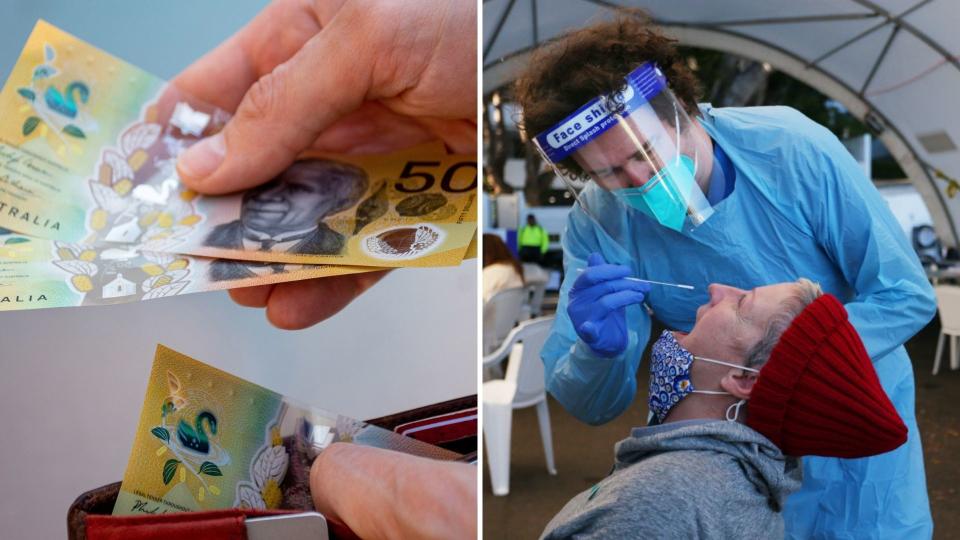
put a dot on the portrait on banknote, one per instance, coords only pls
(287, 213)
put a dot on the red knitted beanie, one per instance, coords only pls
(819, 394)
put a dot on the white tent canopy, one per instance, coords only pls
(893, 63)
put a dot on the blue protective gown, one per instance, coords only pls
(801, 207)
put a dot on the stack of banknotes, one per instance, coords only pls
(92, 211)
(208, 440)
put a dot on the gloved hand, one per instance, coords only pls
(598, 301)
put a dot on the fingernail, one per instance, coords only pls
(201, 159)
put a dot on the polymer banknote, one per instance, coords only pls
(209, 440)
(88, 152)
(37, 273)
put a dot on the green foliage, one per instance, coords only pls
(716, 71)
(27, 93)
(952, 188)
(170, 469)
(43, 71)
(210, 469)
(74, 131)
(16, 240)
(30, 125)
(161, 433)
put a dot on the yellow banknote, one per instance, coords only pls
(37, 273)
(386, 210)
(88, 151)
(472, 248)
(209, 440)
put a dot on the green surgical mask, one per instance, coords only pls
(664, 197)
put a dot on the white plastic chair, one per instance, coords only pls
(533, 272)
(500, 314)
(948, 302)
(522, 387)
(535, 278)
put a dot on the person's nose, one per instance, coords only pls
(272, 194)
(638, 172)
(718, 292)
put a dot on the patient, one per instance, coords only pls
(716, 466)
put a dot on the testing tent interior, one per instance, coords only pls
(894, 64)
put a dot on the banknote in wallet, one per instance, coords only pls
(209, 440)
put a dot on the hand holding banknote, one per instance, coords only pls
(337, 75)
(385, 494)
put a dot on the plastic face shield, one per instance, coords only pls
(637, 144)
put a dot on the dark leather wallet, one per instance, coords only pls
(450, 424)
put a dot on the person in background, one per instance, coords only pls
(532, 240)
(501, 270)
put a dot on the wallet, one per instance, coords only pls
(451, 425)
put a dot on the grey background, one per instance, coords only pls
(72, 380)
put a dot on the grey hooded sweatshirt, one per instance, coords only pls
(689, 479)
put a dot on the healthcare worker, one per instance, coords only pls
(744, 196)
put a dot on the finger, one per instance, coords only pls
(459, 135)
(372, 129)
(284, 112)
(613, 302)
(340, 474)
(255, 297)
(593, 292)
(223, 76)
(595, 259)
(301, 304)
(384, 494)
(593, 275)
(617, 285)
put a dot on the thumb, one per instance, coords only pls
(281, 115)
(385, 494)
(589, 332)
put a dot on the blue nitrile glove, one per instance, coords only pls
(598, 301)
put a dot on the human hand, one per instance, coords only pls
(598, 301)
(384, 494)
(344, 76)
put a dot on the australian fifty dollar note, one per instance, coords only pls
(88, 152)
(37, 273)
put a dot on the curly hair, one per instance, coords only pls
(593, 61)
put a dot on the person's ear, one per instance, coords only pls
(739, 383)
